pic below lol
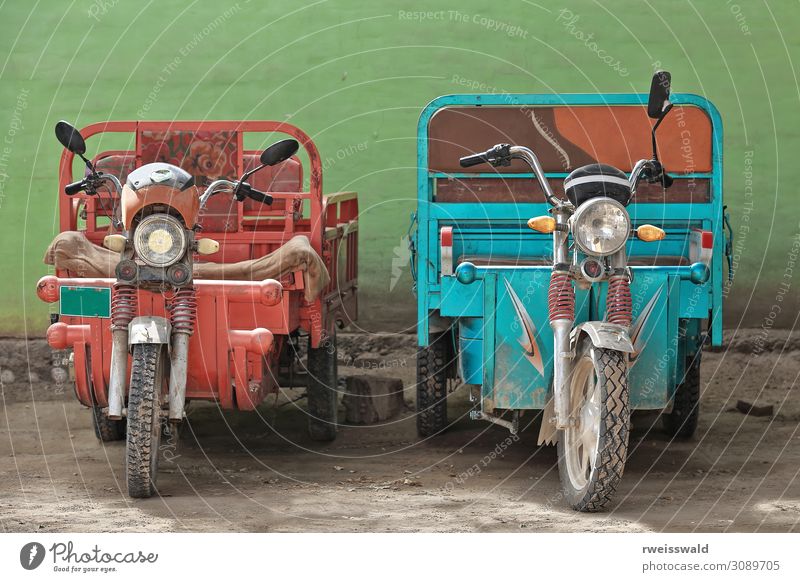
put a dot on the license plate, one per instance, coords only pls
(86, 301)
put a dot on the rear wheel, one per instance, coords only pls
(323, 391)
(148, 373)
(432, 365)
(593, 450)
(105, 429)
(681, 422)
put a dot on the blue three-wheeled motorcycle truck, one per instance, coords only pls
(574, 268)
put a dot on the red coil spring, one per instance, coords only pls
(124, 305)
(561, 297)
(618, 303)
(183, 310)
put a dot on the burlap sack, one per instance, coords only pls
(73, 252)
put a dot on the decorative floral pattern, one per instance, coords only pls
(201, 153)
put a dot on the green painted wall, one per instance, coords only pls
(355, 76)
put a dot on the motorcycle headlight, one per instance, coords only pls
(160, 240)
(601, 226)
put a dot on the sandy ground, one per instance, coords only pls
(259, 471)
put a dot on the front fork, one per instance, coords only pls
(183, 314)
(561, 306)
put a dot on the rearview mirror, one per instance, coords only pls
(70, 138)
(658, 103)
(279, 152)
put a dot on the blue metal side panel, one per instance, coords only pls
(489, 339)
(654, 334)
(695, 300)
(459, 300)
(524, 368)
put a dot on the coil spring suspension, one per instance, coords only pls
(124, 305)
(619, 305)
(561, 297)
(183, 310)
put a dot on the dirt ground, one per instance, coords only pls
(260, 472)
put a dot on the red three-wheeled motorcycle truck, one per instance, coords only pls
(190, 268)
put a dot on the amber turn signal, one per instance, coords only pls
(650, 233)
(545, 224)
(207, 246)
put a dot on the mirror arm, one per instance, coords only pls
(246, 175)
(88, 164)
(667, 109)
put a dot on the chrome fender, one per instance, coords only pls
(149, 329)
(602, 335)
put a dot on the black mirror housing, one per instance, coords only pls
(279, 152)
(658, 104)
(70, 138)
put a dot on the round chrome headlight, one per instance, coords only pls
(601, 226)
(160, 240)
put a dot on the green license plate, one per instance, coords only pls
(86, 301)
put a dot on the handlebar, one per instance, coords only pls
(502, 154)
(499, 155)
(74, 188)
(239, 189)
(91, 183)
(652, 171)
(473, 160)
(246, 189)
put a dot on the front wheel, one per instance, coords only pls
(148, 375)
(593, 450)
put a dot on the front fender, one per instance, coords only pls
(602, 335)
(149, 329)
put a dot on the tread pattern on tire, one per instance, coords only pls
(432, 363)
(105, 429)
(322, 392)
(612, 374)
(143, 410)
(681, 422)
